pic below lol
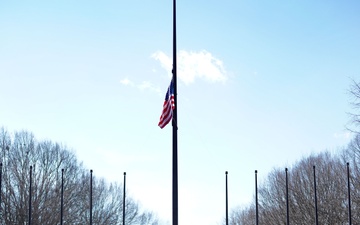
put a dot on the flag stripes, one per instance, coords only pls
(168, 107)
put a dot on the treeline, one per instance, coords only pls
(331, 186)
(20, 150)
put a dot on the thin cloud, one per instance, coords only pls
(165, 61)
(345, 135)
(145, 85)
(192, 65)
(126, 82)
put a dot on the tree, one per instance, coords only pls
(331, 194)
(355, 102)
(243, 216)
(20, 151)
(351, 154)
(331, 179)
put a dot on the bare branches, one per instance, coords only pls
(331, 191)
(21, 150)
(355, 102)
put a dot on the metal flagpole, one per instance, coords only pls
(256, 200)
(62, 197)
(30, 196)
(175, 127)
(124, 192)
(287, 197)
(226, 198)
(1, 165)
(316, 209)
(91, 172)
(348, 178)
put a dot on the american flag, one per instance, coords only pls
(168, 107)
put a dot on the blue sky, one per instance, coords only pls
(261, 84)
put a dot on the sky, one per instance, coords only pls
(260, 85)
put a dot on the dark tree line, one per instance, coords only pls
(20, 150)
(331, 186)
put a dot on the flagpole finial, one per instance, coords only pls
(226, 172)
(255, 171)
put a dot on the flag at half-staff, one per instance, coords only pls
(168, 107)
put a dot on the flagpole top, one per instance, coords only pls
(124, 173)
(226, 172)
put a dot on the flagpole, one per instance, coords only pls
(287, 196)
(124, 193)
(226, 199)
(256, 201)
(315, 196)
(91, 186)
(1, 165)
(349, 200)
(175, 127)
(29, 222)
(62, 197)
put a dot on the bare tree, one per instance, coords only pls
(331, 192)
(331, 189)
(331, 182)
(351, 154)
(20, 151)
(355, 102)
(243, 216)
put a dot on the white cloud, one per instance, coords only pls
(193, 65)
(126, 82)
(166, 61)
(345, 135)
(145, 85)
